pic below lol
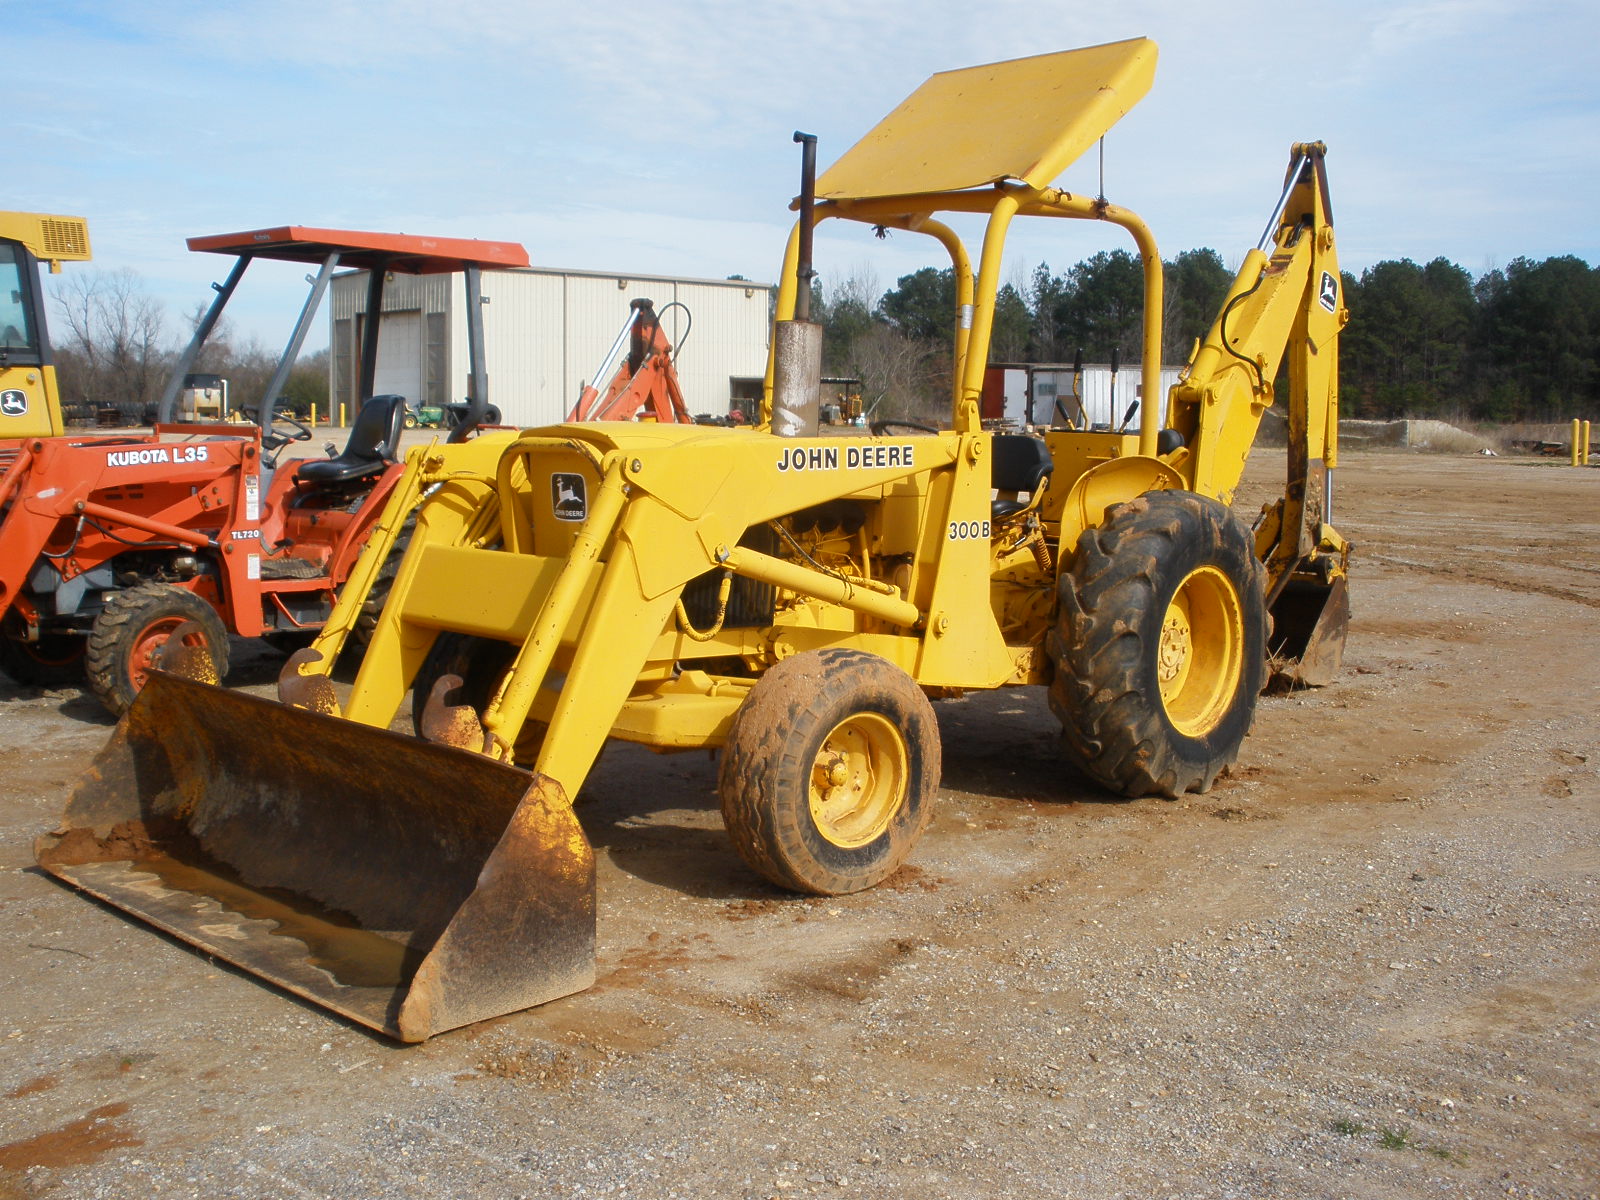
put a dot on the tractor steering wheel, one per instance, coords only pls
(880, 428)
(273, 439)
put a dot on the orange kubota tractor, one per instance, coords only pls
(112, 548)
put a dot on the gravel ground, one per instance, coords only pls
(1365, 965)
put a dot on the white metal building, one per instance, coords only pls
(545, 333)
(1030, 393)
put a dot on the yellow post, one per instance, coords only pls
(313, 416)
(1576, 433)
(1583, 459)
(341, 416)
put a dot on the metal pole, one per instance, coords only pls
(608, 364)
(808, 200)
(319, 285)
(202, 331)
(369, 335)
(477, 368)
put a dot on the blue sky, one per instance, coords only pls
(656, 139)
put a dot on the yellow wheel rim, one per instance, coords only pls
(1200, 656)
(858, 780)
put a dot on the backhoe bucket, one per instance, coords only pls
(1309, 623)
(411, 887)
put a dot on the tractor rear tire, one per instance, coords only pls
(55, 659)
(829, 773)
(131, 630)
(1160, 645)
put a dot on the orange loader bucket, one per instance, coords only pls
(411, 887)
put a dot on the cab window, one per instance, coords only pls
(16, 323)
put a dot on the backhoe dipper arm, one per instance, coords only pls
(645, 382)
(1284, 303)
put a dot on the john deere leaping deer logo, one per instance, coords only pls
(569, 497)
(13, 404)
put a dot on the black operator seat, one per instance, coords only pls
(374, 444)
(1018, 463)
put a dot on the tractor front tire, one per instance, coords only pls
(829, 773)
(1160, 645)
(131, 631)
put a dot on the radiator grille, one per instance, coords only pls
(63, 237)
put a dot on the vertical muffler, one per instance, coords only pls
(797, 343)
(411, 887)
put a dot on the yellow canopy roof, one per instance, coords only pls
(1025, 119)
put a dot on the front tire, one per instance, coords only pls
(1160, 645)
(829, 773)
(132, 630)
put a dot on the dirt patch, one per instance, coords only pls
(127, 841)
(78, 1143)
(33, 1087)
(1365, 964)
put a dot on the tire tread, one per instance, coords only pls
(1111, 606)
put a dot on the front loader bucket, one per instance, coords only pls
(411, 887)
(1309, 623)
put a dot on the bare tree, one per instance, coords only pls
(114, 351)
(901, 377)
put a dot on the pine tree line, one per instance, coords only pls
(1518, 344)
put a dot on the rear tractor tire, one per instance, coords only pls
(829, 773)
(55, 659)
(1160, 645)
(133, 629)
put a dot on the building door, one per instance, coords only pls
(399, 370)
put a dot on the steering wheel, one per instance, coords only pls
(272, 438)
(879, 428)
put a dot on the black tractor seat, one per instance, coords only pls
(374, 444)
(1018, 464)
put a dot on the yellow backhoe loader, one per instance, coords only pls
(796, 602)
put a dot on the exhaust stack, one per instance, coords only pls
(797, 344)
